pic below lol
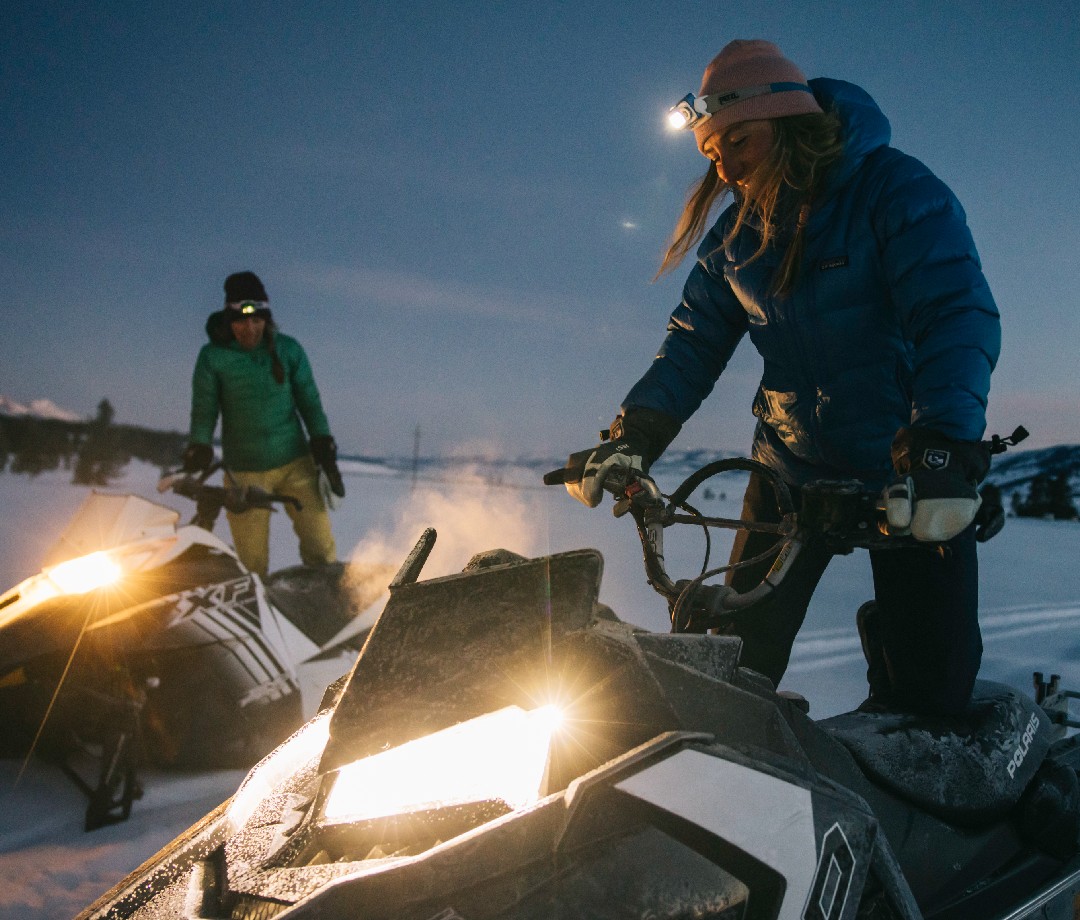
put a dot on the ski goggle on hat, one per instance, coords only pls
(692, 111)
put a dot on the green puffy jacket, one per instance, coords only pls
(260, 418)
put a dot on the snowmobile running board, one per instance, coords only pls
(1033, 907)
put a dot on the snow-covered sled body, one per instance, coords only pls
(505, 747)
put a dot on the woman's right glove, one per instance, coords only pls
(633, 443)
(935, 495)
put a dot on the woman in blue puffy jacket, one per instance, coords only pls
(851, 268)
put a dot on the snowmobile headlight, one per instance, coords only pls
(501, 756)
(86, 573)
(300, 749)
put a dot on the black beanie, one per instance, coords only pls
(244, 286)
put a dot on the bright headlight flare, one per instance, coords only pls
(500, 756)
(78, 576)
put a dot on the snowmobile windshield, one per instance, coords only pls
(449, 650)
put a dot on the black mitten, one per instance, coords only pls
(935, 495)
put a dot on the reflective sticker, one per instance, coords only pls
(936, 459)
(832, 882)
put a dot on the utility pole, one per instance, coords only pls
(415, 456)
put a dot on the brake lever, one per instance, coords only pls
(632, 488)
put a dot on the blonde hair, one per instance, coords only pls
(781, 192)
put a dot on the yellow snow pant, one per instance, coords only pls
(251, 529)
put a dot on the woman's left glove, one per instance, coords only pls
(196, 459)
(935, 495)
(635, 440)
(324, 450)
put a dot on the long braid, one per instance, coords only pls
(276, 367)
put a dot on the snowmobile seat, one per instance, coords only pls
(970, 770)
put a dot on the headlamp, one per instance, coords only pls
(686, 114)
(249, 307)
(691, 110)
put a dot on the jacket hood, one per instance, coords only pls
(865, 126)
(217, 328)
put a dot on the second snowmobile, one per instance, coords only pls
(143, 640)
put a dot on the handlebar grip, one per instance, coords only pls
(556, 477)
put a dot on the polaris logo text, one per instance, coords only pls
(1025, 745)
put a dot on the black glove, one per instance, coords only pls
(935, 496)
(197, 458)
(324, 450)
(633, 443)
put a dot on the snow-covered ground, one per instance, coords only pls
(50, 868)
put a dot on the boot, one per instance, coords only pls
(877, 668)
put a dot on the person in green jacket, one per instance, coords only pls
(260, 383)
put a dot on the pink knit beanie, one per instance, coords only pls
(753, 63)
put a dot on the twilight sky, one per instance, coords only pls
(458, 207)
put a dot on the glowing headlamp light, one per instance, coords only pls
(686, 112)
(691, 110)
(248, 307)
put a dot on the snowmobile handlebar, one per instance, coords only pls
(842, 515)
(209, 500)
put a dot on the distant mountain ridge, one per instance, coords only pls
(38, 408)
(1018, 467)
(1011, 471)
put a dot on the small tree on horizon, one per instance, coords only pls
(100, 460)
(1048, 496)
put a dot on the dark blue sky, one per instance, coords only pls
(458, 207)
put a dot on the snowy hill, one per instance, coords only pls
(37, 408)
(1011, 472)
(1018, 468)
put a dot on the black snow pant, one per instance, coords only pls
(927, 611)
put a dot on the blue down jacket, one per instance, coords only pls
(891, 322)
